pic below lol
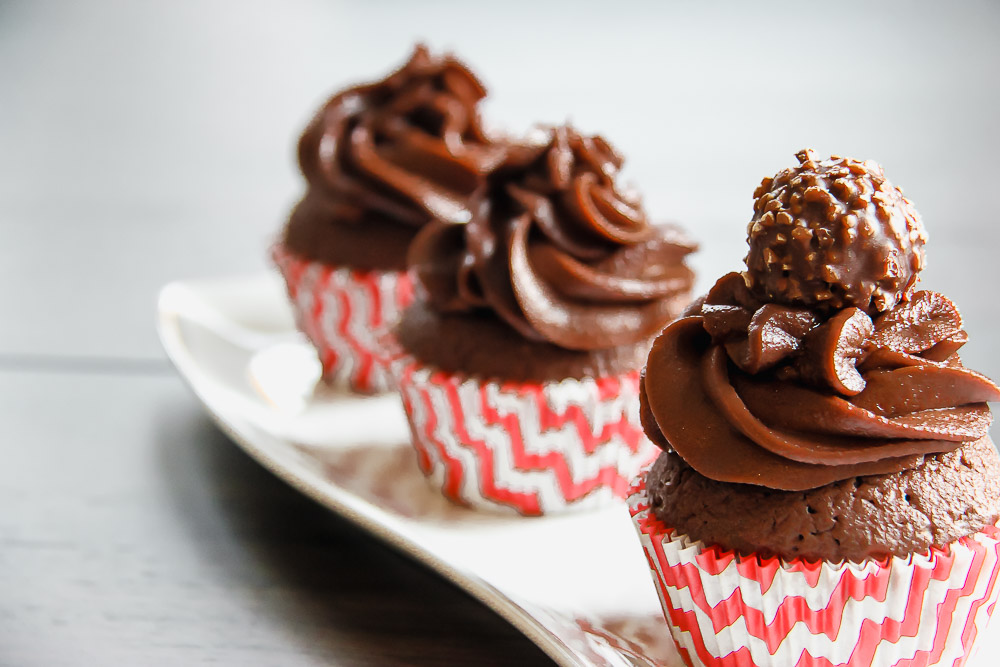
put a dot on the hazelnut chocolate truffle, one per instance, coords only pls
(833, 233)
(381, 161)
(827, 491)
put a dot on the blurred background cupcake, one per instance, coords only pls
(380, 161)
(519, 360)
(827, 490)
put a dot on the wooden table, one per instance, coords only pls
(141, 143)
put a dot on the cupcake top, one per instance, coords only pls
(557, 250)
(820, 363)
(383, 159)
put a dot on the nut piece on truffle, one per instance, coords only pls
(831, 234)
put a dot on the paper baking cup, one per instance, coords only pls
(525, 447)
(724, 609)
(340, 309)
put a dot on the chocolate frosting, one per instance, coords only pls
(383, 159)
(557, 251)
(793, 397)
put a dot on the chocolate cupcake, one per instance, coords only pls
(381, 161)
(519, 361)
(827, 490)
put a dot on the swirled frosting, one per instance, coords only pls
(383, 159)
(557, 251)
(795, 396)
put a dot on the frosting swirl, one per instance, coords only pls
(402, 151)
(796, 396)
(558, 251)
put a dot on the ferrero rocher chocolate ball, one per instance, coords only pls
(830, 234)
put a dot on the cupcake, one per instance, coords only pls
(827, 491)
(518, 363)
(380, 161)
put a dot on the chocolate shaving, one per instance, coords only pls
(833, 349)
(725, 323)
(728, 308)
(774, 334)
(947, 348)
(731, 290)
(918, 325)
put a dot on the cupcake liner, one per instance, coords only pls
(724, 609)
(340, 310)
(533, 448)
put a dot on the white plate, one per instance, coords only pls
(577, 585)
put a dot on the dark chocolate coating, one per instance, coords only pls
(383, 159)
(833, 233)
(483, 345)
(948, 497)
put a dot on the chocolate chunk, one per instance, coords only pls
(918, 325)
(728, 308)
(774, 334)
(947, 348)
(731, 290)
(726, 323)
(833, 350)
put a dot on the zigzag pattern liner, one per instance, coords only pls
(727, 610)
(340, 310)
(531, 448)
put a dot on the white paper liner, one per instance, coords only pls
(724, 609)
(534, 448)
(341, 310)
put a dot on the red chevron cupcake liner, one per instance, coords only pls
(724, 609)
(525, 447)
(340, 310)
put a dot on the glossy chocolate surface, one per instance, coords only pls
(383, 159)
(557, 251)
(833, 233)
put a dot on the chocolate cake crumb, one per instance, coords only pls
(950, 496)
